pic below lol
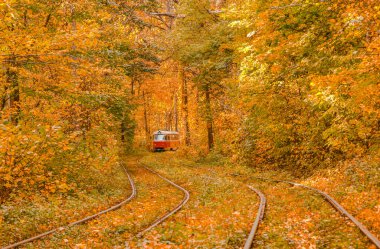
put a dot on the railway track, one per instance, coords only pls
(154, 224)
(86, 219)
(172, 211)
(259, 217)
(261, 210)
(186, 196)
(333, 203)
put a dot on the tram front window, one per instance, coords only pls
(159, 137)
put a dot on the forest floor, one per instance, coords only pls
(220, 211)
(22, 218)
(295, 217)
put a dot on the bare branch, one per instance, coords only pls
(167, 14)
(292, 5)
(215, 12)
(285, 6)
(172, 15)
(47, 20)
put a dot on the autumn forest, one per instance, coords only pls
(260, 92)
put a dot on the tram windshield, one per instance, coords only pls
(159, 137)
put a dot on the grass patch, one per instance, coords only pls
(22, 219)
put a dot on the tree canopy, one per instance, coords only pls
(283, 84)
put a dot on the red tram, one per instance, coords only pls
(165, 140)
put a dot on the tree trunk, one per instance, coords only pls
(146, 124)
(175, 111)
(209, 119)
(123, 130)
(219, 4)
(185, 107)
(132, 86)
(12, 99)
(169, 9)
(170, 119)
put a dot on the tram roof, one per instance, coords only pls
(165, 132)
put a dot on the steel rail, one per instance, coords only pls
(42, 235)
(337, 206)
(173, 211)
(259, 217)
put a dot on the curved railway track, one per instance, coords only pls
(335, 205)
(259, 217)
(171, 212)
(133, 194)
(42, 235)
(186, 197)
